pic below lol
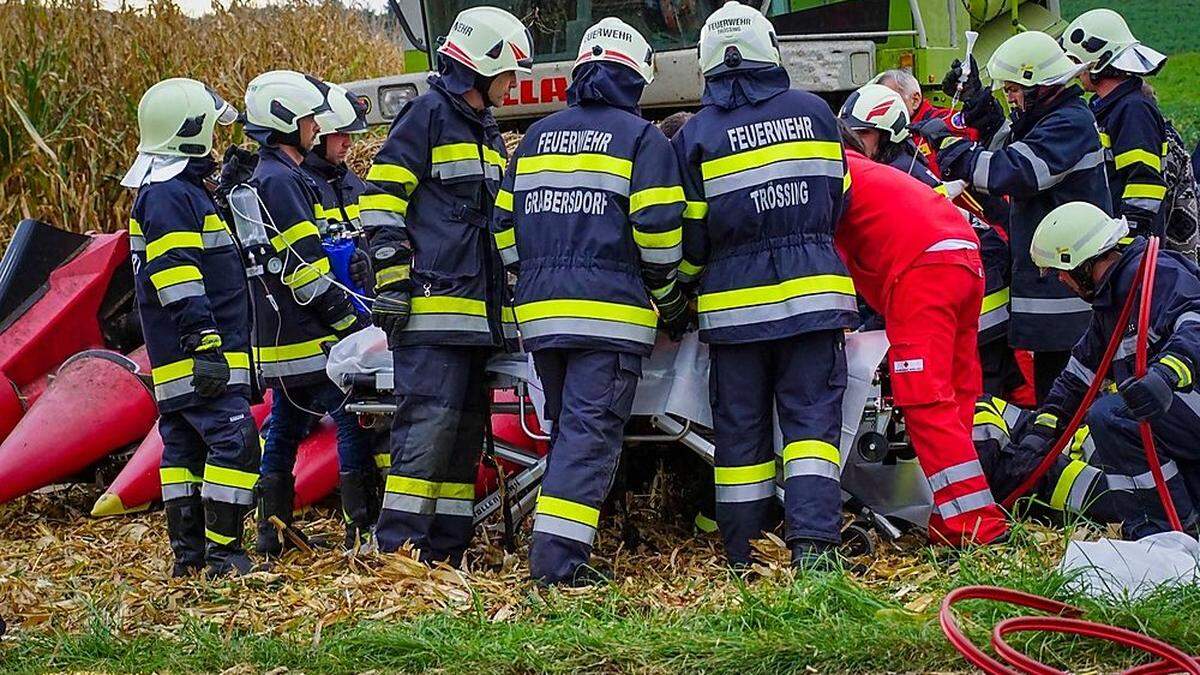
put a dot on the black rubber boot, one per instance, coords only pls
(813, 556)
(361, 501)
(185, 529)
(225, 524)
(276, 494)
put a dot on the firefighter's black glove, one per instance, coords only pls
(1150, 396)
(361, 272)
(334, 309)
(210, 370)
(935, 131)
(237, 167)
(390, 312)
(972, 84)
(674, 314)
(982, 112)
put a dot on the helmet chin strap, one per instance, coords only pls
(1082, 276)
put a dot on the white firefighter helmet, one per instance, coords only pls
(1100, 38)
(346, 114)
(1073, 234)
(614, 40)
(737, 37)
(489, 41)
(176, 118)
(1031, 59)
(279, 99)
(875, 106)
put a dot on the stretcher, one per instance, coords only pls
(882, 484)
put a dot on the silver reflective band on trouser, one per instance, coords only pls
(227, 494)
(965, 504)
(747, 492)
(955, 474)
(454, 507)
(796, 168)
(379, 218)
(811, 467)
(309, 364)
(662, 256)
(178, 490)
(184, 386)
(187, 289)
(615, 330)
(458, 323)
(1082, 372)
(1081, 487)
(562, 527)
(804, 304)
(1142, 481)
(572, 180)
(1041, 170)
(1049, 305)
(457, 169)
(1151, 205)
(993, 318)
(422, 506)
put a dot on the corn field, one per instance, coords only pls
(71, 75)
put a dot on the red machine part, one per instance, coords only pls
(97, 403)
(506, 428)
(64, 320)
(11, 407)
(316, 468)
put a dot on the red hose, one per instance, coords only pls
(1065, 621)
(1140, 366)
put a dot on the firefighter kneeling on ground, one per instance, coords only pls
(589, 219)
(915, 259)
(195, 310)
(1080, 242)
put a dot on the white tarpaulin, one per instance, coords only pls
(1119, 569)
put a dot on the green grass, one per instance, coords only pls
(822, 623)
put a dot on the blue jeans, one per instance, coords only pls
(289, 424)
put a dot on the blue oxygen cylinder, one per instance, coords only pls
(339, 251)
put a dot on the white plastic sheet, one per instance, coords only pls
(1130, 569)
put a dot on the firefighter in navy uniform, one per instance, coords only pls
(439, 279)
(1132, 129)
(337, 212)
(195, 310)
(1051, 156)
(1080, 242)
(589, 218)
(879, 118)
(764, 176)
(299, 311)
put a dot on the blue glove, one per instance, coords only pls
(1151, 395)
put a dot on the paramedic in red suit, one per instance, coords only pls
(925, 276)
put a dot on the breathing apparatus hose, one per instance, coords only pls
(1144, 281)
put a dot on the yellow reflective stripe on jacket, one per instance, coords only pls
(742, 475)
(1138, 156)
(751, 159)
(383, 202)
(1105, 140)
(655, 196)
(1062, 489)
(290, 352)
(169, 372)
(994, 301)
(213, 223)
(504, 200)
(586, 309)
(392, 173)
(846, 182)
(564, 508)
(811, 449)
(492, 156)
(940, 188)
(135, 228)
(507, 238)
(453, 152)
(695, 210)
(448, 304)
(171, 241)
(689, 269)
(762, 295)
(456, 491)
(668, 239)
(990, 417)
(230, 477)
(175, 275)
(307, 273)
(1144, 191)
(293, 234)
(584, 161)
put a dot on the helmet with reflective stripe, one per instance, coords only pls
(176, 117)
(279, 99)
(1073, 234)
(347, 114)
(1031, 59)
(489, 41)
(614, 40)
(737, 37)
(1101, 38)
(874, 106)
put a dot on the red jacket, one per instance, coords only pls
(890, 220)
(928, 111)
